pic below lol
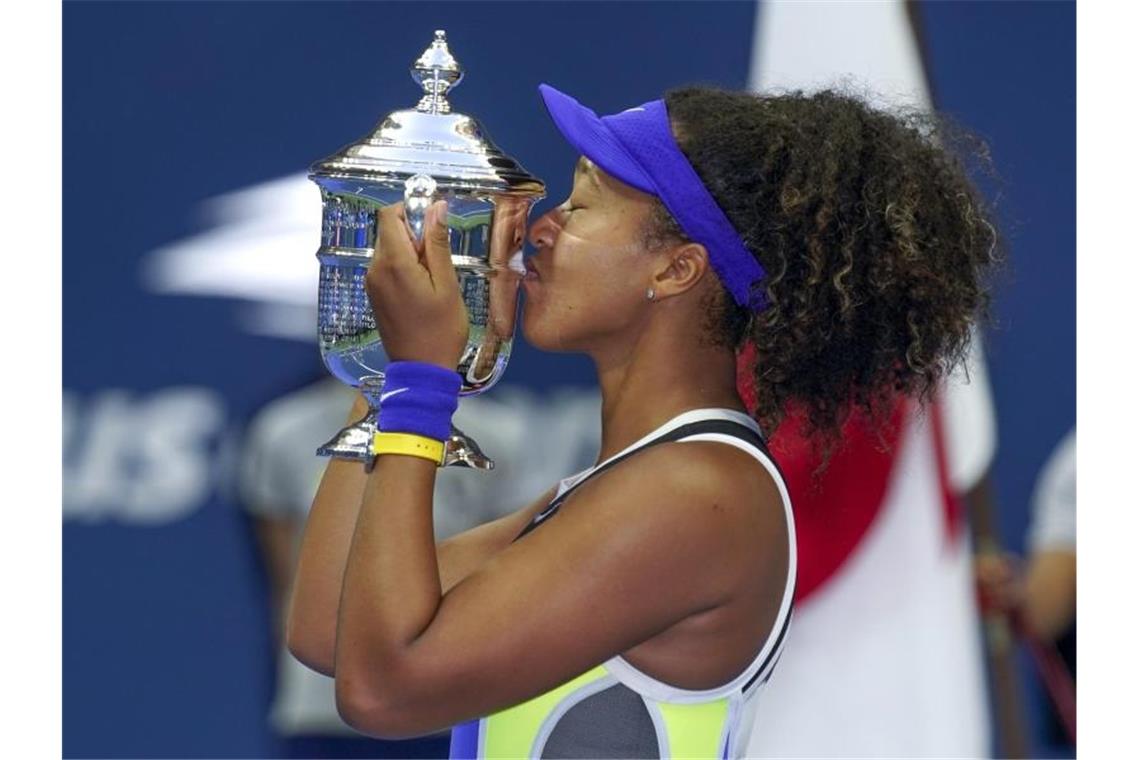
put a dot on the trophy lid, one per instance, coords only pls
(430, 139)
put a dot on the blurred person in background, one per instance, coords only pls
(1039, 593)
(279, 476)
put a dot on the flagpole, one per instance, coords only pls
(1000, 638)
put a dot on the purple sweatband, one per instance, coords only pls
(418, 398)
(637, 147)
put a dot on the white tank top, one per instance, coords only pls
(615, 710)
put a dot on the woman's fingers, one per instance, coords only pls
(414, 291)
(394, 245)
(396, 248)
(437, 247)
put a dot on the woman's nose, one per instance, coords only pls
(544, 230)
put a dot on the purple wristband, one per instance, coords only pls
(418, 398)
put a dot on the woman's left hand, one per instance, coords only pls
(414, 290)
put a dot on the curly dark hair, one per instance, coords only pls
(876, 244)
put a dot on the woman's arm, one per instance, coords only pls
(466, 552)
(311, 624)
(315, 598)
(625, 560)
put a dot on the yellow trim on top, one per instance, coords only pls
(694, 730)
(511, 733)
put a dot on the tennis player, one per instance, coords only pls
(636, 608)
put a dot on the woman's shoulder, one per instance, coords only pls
(709, 487)
(725, 474)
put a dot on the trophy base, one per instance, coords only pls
(354, 443)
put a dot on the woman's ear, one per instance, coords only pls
(681, 268)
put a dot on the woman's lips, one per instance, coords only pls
(531, 272)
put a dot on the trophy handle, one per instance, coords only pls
(353, 442)
(462, 451)
(419, 194)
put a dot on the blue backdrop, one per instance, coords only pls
(166, 641)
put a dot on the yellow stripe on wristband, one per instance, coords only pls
(409, 445)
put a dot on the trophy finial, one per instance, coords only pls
(437, 72)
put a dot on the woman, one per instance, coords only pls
(635, 609)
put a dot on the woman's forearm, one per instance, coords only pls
(392, 587)
(312, 610)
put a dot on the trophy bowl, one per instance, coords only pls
(420, 156)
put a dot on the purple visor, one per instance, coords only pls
(637, 147)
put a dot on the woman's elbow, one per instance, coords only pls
(375, 716)
(310, 650)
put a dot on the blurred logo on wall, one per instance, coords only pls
(259, 249)
(156, 458)
(143, 459)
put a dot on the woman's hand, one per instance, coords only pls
(414, 290)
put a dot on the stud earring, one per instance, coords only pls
(650, 294)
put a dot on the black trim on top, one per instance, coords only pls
(726, 427)
(772, 654)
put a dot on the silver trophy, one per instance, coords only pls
(419, 156)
